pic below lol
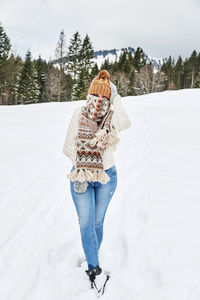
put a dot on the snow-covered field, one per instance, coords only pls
(151, 239)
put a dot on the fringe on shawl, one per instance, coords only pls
(103, 140)
(87, 175)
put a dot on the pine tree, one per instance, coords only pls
(139, 59)
(197, 78)
(167, 68)
(94, 72)
(126, 68)
(193, 61)
(190, 70)
(67, 87)
(41, 69)
(122, 60)
(81, 87)
(186, 72)
(117, 82)
(198, 62)
(125, 63)
(87, 55)
(5, 47)
(178, 73)
(114, 67)
(197, 81)
(106, 65)
(14, 65)
(84, 75)
(74, 56)
(131, 83)
(130, 58)
(28, 90)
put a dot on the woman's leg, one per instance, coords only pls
(85, 207)
(103, 195)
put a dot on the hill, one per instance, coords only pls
(101, 55)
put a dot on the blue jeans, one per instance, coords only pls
(91, 208)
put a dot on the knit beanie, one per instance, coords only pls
(101, 84)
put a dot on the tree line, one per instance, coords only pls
(68, 77)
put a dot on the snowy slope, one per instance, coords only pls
(151, 234)
(114, 54)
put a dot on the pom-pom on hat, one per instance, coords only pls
(101, 84)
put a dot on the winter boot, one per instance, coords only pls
(98, 279)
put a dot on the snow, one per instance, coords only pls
(110, 57)
(151, 241)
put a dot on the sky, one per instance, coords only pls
(161, 28)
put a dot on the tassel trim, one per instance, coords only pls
(103, 140)
(88, 175)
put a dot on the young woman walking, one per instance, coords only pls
(91, 139)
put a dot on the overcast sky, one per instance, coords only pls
(160, 27)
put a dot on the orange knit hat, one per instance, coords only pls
(101, 84)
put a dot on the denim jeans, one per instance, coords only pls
(91, 208)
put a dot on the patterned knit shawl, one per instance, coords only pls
(94, 136)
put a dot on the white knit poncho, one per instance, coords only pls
(120, 121)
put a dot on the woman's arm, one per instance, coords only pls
(120, 119)
(69, 147)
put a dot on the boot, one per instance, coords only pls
(98, 279)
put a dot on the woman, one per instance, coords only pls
(91, 138)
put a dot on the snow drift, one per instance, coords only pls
(151, 240)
